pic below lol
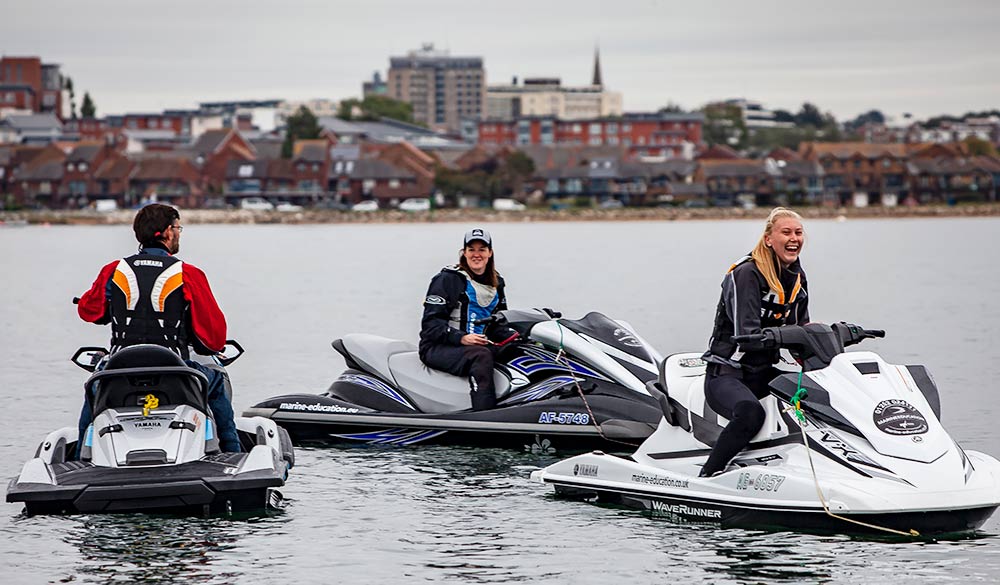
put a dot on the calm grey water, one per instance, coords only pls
(371, 515)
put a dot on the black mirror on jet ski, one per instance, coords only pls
(224, 356)
(88, 357)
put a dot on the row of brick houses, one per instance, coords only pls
(223, 167)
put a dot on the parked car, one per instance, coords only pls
(508, 205)
(611, 204)
(286, 206)
(416, 204)
(256, 204)
(370, 205)
(106, 205)
(332, 204)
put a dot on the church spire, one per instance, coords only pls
(597, 68)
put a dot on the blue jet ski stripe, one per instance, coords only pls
(376, 385)
(393, 436)
(544, 389)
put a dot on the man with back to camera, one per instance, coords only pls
(152, 297)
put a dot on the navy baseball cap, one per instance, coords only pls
(478, 234)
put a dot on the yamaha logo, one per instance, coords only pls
(625, 337)
(899, 417)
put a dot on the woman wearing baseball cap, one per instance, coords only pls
(450, 341)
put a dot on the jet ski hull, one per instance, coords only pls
(210, 485)
(806, 519)
(563, 425)
(776, 495)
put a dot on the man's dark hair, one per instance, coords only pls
(152, 222)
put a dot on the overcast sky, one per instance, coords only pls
(925, 57)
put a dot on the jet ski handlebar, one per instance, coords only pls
(504, 317)
(815, 343)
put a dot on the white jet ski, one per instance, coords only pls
(152, 446)
(877, 458)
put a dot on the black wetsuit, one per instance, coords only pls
(736, 381)
(454, 300)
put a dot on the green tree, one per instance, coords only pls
(784, 116)
(375, 107)
(869, 117)
(87, 108)
(809, 115)
(514, 170)
(671, 108)
(378, 106)
(68, 86)
(302, 125)
(345, 111)
(979, 147)
(724, 125)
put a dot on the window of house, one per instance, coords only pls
(245, 171)
(886, 163)
(70, 167)
(612, 128)
(642, 140)
(394, 183)
(595, 128)
(368, 185)
(595, 141)
(613, 140)
(577, 128)
(82, 167)
(349, 166)
(300, 167)
(315, 167)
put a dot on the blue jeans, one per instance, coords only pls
(218, 403)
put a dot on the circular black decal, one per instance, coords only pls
(898, 417)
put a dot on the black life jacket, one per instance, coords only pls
(147, 303)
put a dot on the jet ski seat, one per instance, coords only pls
(432, 391)
(683, 378)
(133, 373)
(435, 391)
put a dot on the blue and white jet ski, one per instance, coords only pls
(870, 455)
(152, 446)
(566, 384)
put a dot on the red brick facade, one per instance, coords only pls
(642, 134)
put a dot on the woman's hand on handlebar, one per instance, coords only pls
(474, 339)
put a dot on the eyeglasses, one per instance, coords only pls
(179, 228)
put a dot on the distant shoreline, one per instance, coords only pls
(225, 216)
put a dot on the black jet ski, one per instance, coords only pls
(869, 454)
(152, 446)
(564, 384)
